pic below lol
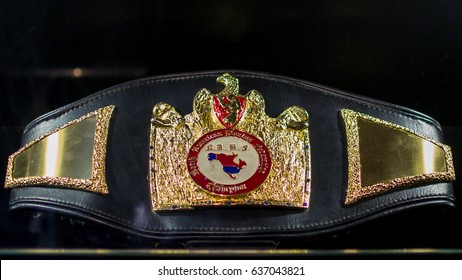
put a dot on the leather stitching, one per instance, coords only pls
(149, 81)
(299, 227)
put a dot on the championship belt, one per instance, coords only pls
(182, 157)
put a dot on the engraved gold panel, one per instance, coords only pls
(383, 156)
(71, 156)
(286, 137)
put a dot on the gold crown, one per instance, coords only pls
(229, 152)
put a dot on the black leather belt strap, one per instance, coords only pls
(125, 201)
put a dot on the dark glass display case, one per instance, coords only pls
(406, 53)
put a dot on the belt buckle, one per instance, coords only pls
(229, 152)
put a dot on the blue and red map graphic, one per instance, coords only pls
(230, 167)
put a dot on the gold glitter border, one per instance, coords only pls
(97, 182)
(355, 191)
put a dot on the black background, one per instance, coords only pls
(404, 52)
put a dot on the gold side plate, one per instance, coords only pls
(71, 156)
(383, 156)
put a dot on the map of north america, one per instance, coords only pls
(230, 167)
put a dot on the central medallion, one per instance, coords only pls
(229, 162)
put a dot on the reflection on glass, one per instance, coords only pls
(51, 154)
(429, 154)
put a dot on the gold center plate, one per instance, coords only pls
(286, 137)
